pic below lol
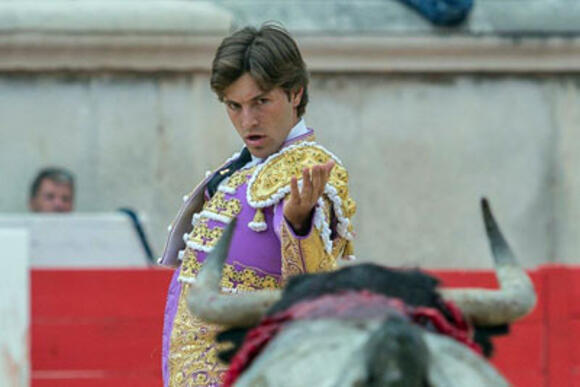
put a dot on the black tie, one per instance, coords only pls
(244, 158)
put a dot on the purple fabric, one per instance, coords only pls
(259, 250)
(170, 310)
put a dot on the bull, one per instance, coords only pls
(363, 325)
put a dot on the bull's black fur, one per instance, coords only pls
(413, 286)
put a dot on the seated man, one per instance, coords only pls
(52, 191)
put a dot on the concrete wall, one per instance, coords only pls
(426, 120)
(421, 151)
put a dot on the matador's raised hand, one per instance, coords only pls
(298, 206)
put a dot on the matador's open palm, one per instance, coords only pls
(298, 206)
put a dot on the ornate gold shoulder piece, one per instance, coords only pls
(270, 182)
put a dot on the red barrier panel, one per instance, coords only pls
(563, 324)
(103, 327)
(97, 327)
(520, 355)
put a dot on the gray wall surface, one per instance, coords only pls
(427, 119)
(421, 151)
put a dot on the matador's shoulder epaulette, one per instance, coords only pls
(270, 182)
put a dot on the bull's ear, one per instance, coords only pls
(513, 300)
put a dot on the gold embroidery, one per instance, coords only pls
(193, 354)
(202, 235)
(277, 173)
(190, 266)
(259, 216)
(306, 255)
(239, 177)
(291, 255)
(246, 279)
(349, 207)
(222, 206)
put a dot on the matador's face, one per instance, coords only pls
(263, 119)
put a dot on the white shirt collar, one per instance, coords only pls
(298, 130)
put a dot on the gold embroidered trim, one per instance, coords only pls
(305, 255)
(246, 279)
(291, 254)
(217, 208)
(239, 177)
(190, 266)
(274, 177)
(193, 352)
(204, 236)
(218, 204)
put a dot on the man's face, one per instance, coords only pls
(52, 196)
(263, 119)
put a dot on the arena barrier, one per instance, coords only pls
(103, 327)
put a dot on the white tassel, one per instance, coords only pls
(258, 227)
(258, 224)
(322, 226)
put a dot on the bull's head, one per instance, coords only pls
(482, 307)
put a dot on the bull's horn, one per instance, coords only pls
(207, 302)
(516, 296)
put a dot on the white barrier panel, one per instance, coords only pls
(14, 318)
(80, 240)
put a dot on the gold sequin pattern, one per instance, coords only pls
(291, 255)
(193, 351)
(239, 177)
(244, 279)
(203, 235)
(222, 206)
(190, 265)
(305, 255)
(193, 354)
(280, 170)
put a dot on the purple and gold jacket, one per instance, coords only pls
(264, 250)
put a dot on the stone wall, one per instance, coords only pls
(423, 143)
(421, 152)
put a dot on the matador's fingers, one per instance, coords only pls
(317, 181)
(294, 194)
(328, 169)
(325, 175)
(306, 193)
